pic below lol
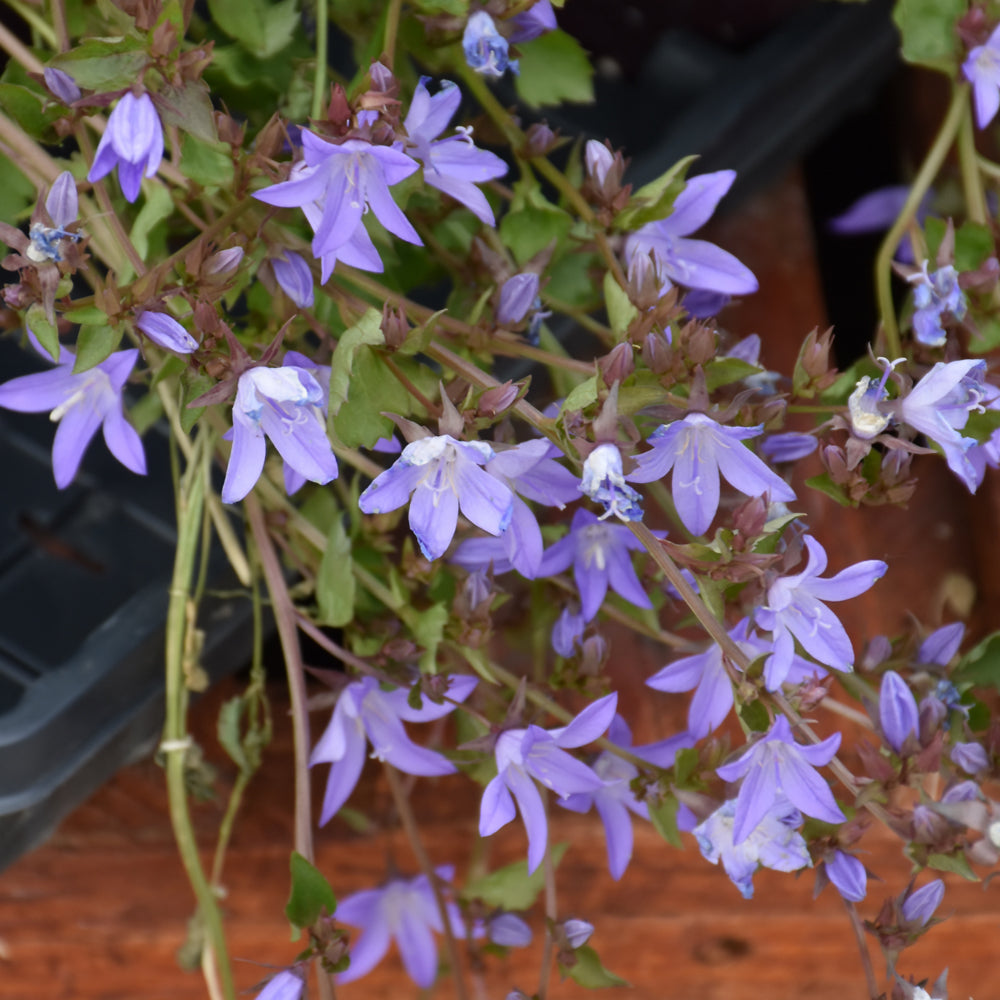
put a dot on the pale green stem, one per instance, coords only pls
(391, 31)
(320, 73)
(176, 741)
(972, 188)
(921, 184)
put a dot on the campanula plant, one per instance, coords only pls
(483, 406)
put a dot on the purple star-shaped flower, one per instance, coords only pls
(133, 142)
(286, 404)
(877, 211)
(939, 406)
(982, 70)
(795, 610)
(404, 909)
(365, 713)
(80, 402)
(344, 179)
(693, 263)
(777, 765)
(599, 554)
(453, 165)
(486, 50)
(534, 753)
(774, 843)
(614, 800)
(530, 470)
(699, 450)
(444, 476)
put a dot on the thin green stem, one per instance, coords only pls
(58, 8)
(866, 959)
(391, 32)
(35, 20)
(176, 741)
(968, 161)
(320, 72)
(921, 184)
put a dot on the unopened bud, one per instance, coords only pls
(598, 160)
(206, 318)
(497, 399)
(750, 517)
(223, 262)
(617, 364)
(61, 85)
(382, 78)
(594, 655)
(643, 284)
(62, 203)
(229, 129)
(702, 342)
(271, 138)
(577, 932)
(395, 327)
(295, 277)
(517, 297)
(540, 140)
(338, 112)
(657, 352)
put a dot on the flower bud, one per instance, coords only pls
(789, 446)
(517, 296)
(61, 85)
(509, 930)
(61, 202)
(643, 283)
(295, 278)
(382, 77)
(567, 631)
(941, 645)
(540, 140)
(395, 327)
(970, 757)
(848, 874)
(165, 331)
(617, 364)
(598, 160)
(877, 651)
(919, 906)
(657, 353)
(577, 932)
(497, 399)
(897, 711)
(223, 262)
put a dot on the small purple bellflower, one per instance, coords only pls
(537, 20)
(454, 165)
(80, 402)
(486, 50)
(935, 295)
(404, 909)
(599, 553)
(133, 142)
(982, 70)
(776, 765)
(540, 754)
(604, 482)
(693, 263)
(774, 843)
(365, 713)
(445, 476)
(286, 404)
(795, 610)
(699, 449)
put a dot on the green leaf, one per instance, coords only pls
(367, 331)
(189, 108)
(986, 335)
(157, 207)
(94, 345)
(529, 230)
(207, 164)
(664, 818)
(588, 971)
(104, 63)
(582, 396)
(973, 244)
(755, 717)
(428, 629)
(45, 331)
(335, 586)
(621, 312)
(311, 896)
(374, 391)
(457, 8)
(554, 68)
(685, 764)
(261, 26)
(723, 371)
(511, 887)
(955, 863)
(981, 665)
(928, 30)
(655, 200)
(829, 488)
(28, 109)
(17, 193)
(229, 731)
(193, 386)
(86, 316)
